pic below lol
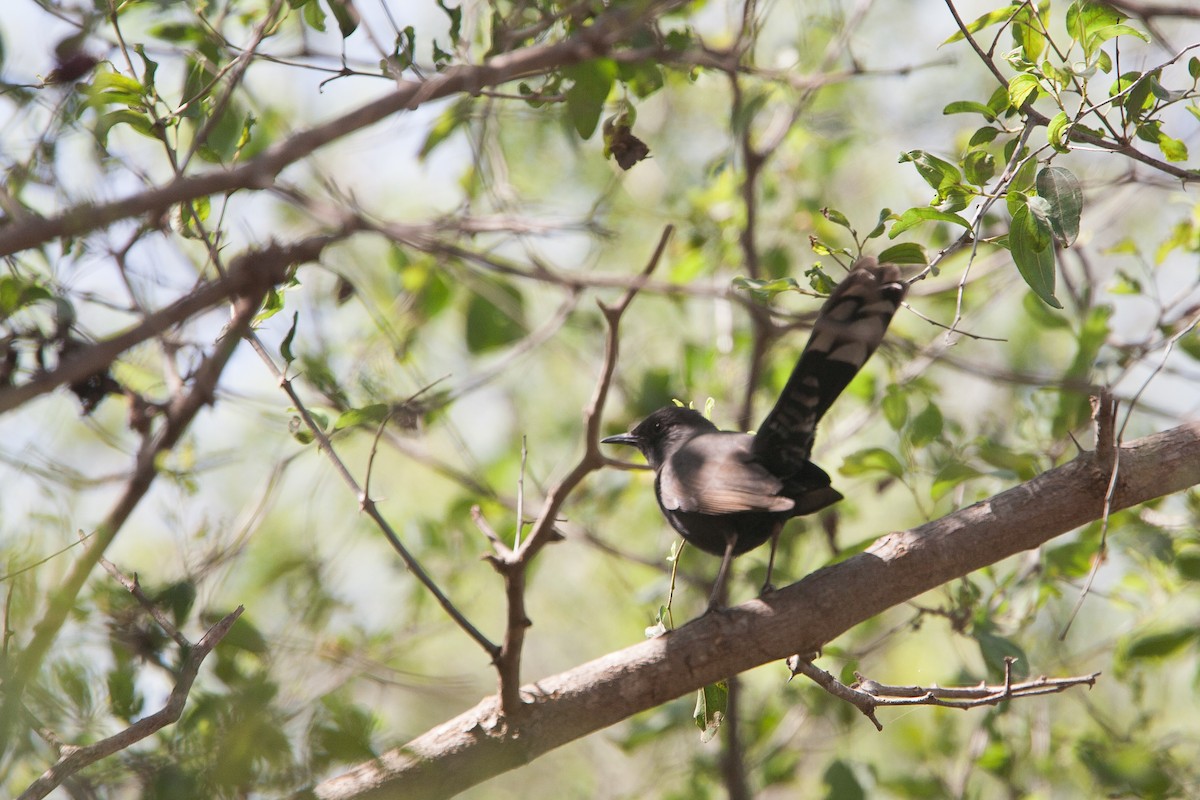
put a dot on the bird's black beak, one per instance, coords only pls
(621, 438)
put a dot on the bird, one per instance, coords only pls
(728, 492)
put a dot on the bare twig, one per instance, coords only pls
(514, 565)
(367, 504)
(867, 695)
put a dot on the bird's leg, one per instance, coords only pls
(767, 585)
(714, 599)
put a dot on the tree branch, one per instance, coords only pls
(468, 749)
(75, 758)
(258, 173)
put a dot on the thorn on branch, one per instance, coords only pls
(1104, 414)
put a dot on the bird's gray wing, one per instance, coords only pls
(715, 474)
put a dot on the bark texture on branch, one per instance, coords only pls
(479, 744)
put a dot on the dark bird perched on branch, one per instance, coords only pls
(728, 492)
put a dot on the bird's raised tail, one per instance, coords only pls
(848, 328)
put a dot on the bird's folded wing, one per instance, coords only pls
(714, 475)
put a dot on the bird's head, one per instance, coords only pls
(663, 432)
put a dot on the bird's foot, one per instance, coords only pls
(767, 588)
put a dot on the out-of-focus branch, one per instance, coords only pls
(177, 416)
(72, 758)
(590, 41)
(250, 272)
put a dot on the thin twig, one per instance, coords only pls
(514, 567)
(866, 695)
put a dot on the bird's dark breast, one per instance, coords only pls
(708, 532)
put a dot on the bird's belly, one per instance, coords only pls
(710, 532)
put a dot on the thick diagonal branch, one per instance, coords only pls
(465, 750)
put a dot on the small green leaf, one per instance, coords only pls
(1022, 87)
(950, 476)
(1160, 645)
(1058, 130)
(937, 172)
(872, 459)
(915, 216)
(926, 426)
(969, 107)
(450, 121)
(367, 415)
(1029, 240)
(1060, 188)
(895, 407)
(836, 217)
(711, 704)
(346, 15)
(979, 166)
(1173, 149)
(593, 80)
(841, 783)
(983, 135)
(904, 253)
(766, 289)
(995, 649)
(495, 317)
(993, 17)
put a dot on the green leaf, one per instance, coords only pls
(1173, 149)
(1160, 645)
(447, 123)
(1029, 241)
(995, 649)
(915, 216)
(1187, 564)
(937, 172)
(926, 426)
(346, 15)
(1028, 30)
(983, 135)
(884, 215)
(841, 783)
(904, 253)
(1071, 560)
(1060, 188)
(137, 120)
(1022, 87)
(367, 415)
(836, 217)
(495, 317)
(895, 407)
(979, 166)
(969, 107)
(123, 697)
(872, 459)
(950, 476)
(711, 704)
(593, 80)
(1058, 130)
(765, 289)
(993, 17)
